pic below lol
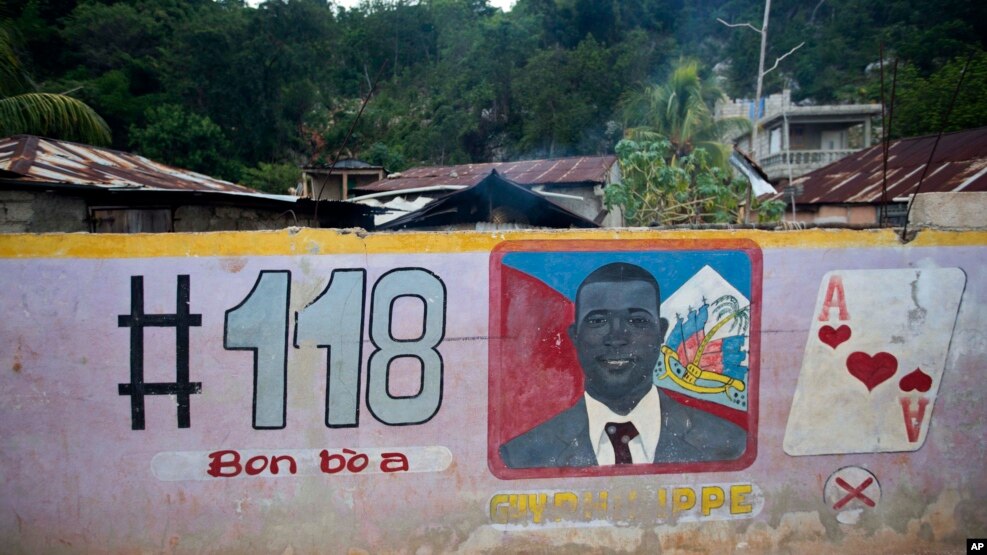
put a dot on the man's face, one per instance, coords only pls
(618, 334)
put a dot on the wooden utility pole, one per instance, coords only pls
(760, 80)
(761, 72)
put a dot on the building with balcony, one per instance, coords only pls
(794, 140)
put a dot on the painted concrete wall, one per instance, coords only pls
(41, 212)
(860, 214)
(962, 210)
(44, 212)
(225, 218)
(309, 391)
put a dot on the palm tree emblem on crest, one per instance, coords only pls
(701, 371)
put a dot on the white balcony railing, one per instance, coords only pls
(802, 161)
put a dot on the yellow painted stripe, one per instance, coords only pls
(327, 241)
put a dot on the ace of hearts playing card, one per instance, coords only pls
(873, 361)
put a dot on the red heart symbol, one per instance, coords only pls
(916, 380)
(872, 370)
(833, 337)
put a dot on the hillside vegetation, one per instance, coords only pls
(247, 93)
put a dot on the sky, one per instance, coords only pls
(505, 5)
(502, 4)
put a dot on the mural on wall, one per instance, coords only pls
(873, 360)
(334, 321)
(850, 492)
(650, 505)
(622, 358)
(317, 391)
(370, 337)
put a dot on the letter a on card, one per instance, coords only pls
(874, 358)
(835, 298)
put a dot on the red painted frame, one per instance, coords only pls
(500, 393)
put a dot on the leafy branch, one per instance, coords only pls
(660, 188)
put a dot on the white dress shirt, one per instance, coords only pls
(646, 417)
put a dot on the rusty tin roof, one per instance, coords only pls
(30, 159)
(476, 202)
(561, 171)
(959, 164)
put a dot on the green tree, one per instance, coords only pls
(842, 38)
(659, 187)
(251, 72)
(24, 109)
(679, 110)
(125, 35)
(273, 178)
(116, 54)
(565, 97)
(380, 154)
(921, 103)
(461, 81)
(178, 137)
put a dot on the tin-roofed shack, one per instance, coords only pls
(494, 203)
(336, 181)
(852, 190)
(575, 184)
(48, 185)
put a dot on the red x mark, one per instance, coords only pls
(855, 493)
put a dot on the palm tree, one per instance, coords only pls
(25, 110)
(679, 110)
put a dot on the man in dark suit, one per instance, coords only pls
(622, 418)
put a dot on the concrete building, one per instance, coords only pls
(795, 139)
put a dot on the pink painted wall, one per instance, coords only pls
(78, 478)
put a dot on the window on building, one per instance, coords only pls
(775, 141)
(130, 220)
(797, 139)
(833, 140)
(895, 213)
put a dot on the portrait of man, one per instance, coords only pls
(622, 417)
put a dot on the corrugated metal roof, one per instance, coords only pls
(477, 202)
(345, 164)
(959, 164)
(561, 171)
(45, 161)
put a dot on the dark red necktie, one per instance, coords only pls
(620, 435)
